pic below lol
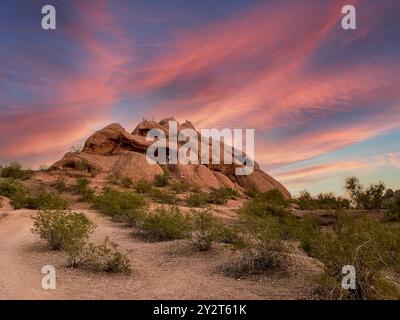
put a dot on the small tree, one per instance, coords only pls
(369, 199)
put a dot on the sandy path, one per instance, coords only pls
(169, 270)
(18, 279)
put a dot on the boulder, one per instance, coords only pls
(196, 175)
(145, 126)
(261, 182)
(113, 140)
(134, 165)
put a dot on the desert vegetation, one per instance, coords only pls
(363, 229)
(120, 205)
(15, 171)
(165, 224)
(323, 201)
(70, 231)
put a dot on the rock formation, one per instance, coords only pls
(113, 151)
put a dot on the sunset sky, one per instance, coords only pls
(324, 102)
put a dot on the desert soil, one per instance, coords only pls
(164, 270)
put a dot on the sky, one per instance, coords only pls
(324, 102)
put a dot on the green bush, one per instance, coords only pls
(205, 230)
(180, 186)
(369, 246)
(162, 196)
(197, 199)
(14, 171)
(273, 196)
(19, 199)
(143, 187)
(63, 230)
(46, 201)
(270, 203)
(59, 184)
(162, 180)
(120, 205)
(106, 257)
(323, 201)
(15, 191)
(9, 187)
(232, 236)
(81, 188)
(222, 195)
(264, 250)
(165, 224)
(261, 207)
(126, 182)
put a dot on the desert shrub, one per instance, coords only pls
(63, 230)
(165, 224)
(264, 250)
(307, 231)
(393, 214)
(14, 171)
(197, 199)
(370, 199)
(59, 184)
(81, 188)
(273, 196)
(144, 187)
(270, 203)
(162, 180)
(162, 196)
(251, 193)
(120, 205)
(179, 186)
(126, 182)
(369, 246)
(80, 184)
(19, 199)
(15, 191)
(232, 236)
(323, 201)
(106, 257)
(9, 186)
(265, 204)
(205, 230)
(305, 201)
(222, 195)
(46, 201)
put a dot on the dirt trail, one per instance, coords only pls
(169, 270)
(18, 280)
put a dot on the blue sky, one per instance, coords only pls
(324, 102)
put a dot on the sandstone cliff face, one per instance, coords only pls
(114, 151)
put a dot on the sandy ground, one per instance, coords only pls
(167, 270)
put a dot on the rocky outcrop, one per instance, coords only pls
(113, 140)
(116, 152)
(134, 165)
